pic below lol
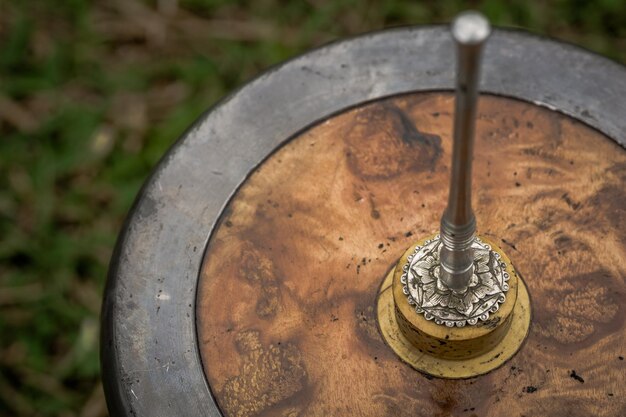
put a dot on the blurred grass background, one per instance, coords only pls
(92, 93)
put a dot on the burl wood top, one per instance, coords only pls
(287, 296)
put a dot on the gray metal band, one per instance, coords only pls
(150, 359)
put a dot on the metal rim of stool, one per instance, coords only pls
(149, 348)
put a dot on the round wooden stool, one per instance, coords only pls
(249, 278)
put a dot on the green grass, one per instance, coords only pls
(92, 95)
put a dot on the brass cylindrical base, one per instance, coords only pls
(453, 352)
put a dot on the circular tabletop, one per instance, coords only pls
(180, 319)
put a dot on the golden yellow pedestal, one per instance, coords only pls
(453, 352)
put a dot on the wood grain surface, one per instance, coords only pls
(287, 295)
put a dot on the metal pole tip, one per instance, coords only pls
(471, 28)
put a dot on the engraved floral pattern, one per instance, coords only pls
(431, 297)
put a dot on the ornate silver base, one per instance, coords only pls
(430, 296)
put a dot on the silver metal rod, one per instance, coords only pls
(470, 31)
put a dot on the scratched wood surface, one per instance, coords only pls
(287, 297)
